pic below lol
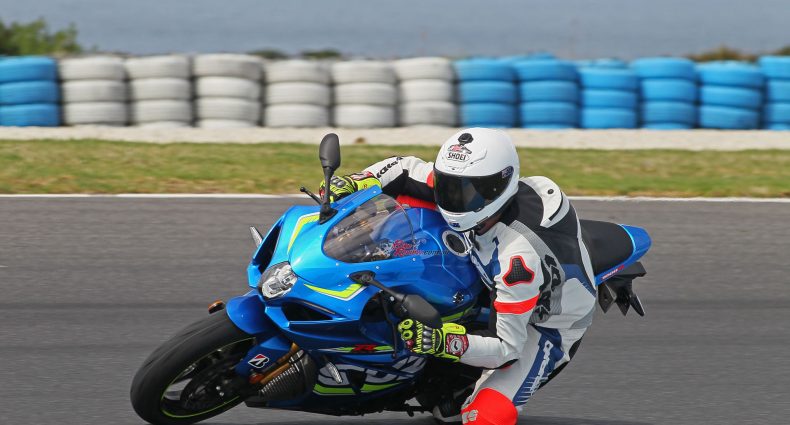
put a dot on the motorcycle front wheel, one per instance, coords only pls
(190, 377)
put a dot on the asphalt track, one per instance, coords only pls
(91, 286)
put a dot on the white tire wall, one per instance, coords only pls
(296, 115)
(94, 91)
(364, 116)
(160, 89)
(228, 90)
(220, 108)
(426, 89)
(95, 113)
(222, 124)
(298, 94)
(228, 65)
(428, 113)
(170, 66)
(227, 87)
(366, 94)
(297, 71)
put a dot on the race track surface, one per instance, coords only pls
(91, 286)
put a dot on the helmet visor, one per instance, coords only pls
(461, 194)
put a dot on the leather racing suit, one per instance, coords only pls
(540, 278)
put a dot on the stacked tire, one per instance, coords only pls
(228, 90)
(94, 91)
(487, 93)
(160, 91)
(426, 92)
(365, 94)
(776, 112)
(549, 93)
(668, 88)
(298, 94)
(609, 98)
(731, 95)
(29, 92)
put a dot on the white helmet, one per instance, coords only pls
(475, 174)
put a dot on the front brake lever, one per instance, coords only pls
(393, 326)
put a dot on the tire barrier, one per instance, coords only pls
(160, 91)
(549, 93)
(228, 90)
(731, 95)
(609, 97)
(365, 94)
(298, 94)
(668, 88)
(776, 112)
(537, 91)
(94, 91)
(487, 92)
(425, 92)
(29, 92)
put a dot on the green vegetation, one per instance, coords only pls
(724, 53)
(35, 38)
(91, 166)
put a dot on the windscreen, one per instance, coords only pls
(376, 230)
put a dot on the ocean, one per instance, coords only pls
(574, 29)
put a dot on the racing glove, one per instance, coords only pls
(342, 186)
(449, 342)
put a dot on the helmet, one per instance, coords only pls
(475, 174)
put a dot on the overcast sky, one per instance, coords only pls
(377, 28)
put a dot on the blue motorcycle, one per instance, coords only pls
(317, 331)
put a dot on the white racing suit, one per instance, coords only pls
(542, 296)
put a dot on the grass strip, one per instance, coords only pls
(93, 166)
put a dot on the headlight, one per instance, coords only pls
(277, 280)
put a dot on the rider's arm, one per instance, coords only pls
(406, 175)
(517, 287)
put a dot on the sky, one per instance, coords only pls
(574, 29)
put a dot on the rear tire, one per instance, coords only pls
(202, 353)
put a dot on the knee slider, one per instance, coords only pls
(490, 407)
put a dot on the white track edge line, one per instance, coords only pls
(292, 196)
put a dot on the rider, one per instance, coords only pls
(525, 240)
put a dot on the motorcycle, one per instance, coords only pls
(329, 283)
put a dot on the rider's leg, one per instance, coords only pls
(545, 354)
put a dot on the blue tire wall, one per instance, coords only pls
(549, 91)
(675, 68)
(672, 90)
(537, 70)
(728, 118)
(487, 92)
(776, 113)
(669, 113)
(611, 79)
(32, 115)
(735, 74)
(29, 92)
(596, 98)
(775, 67)
(777, 91)
(731, 96)
(484, 70)
(27, 68)
(601, 118)
(549, 114)
(488, 115)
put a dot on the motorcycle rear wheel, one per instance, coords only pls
(190, 377)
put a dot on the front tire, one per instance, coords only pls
(190, 377)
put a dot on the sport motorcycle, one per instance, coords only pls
(317, 330)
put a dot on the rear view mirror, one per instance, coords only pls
(329, 152)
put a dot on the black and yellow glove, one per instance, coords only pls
(342, 186)
(449, 342)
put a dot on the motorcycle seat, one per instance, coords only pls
(608, 244)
